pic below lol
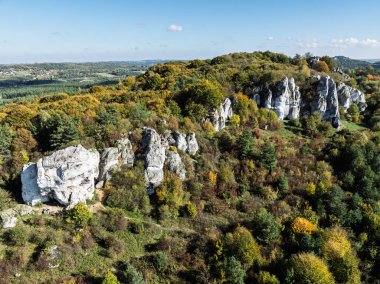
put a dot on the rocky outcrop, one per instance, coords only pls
(174, 164)
(154, 158)
(66, 176)
(9, 217)
(284, 98)
(113, 158)
(192, 144)
(219, 117)
(348, 95)
(183, 143)
(326, 101)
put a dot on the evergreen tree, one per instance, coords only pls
(268, 157)
(235, 273)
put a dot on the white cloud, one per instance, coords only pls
(347, 42)
(308, 44)
(175, 28)
(270, 38)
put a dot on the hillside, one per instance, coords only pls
(245, 168)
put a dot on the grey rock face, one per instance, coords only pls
(154, 158)
(9, 217)
(284, 98)
(113, 158)
(180, 141)
(326, 101)
(192, 144)
(67, 176)
(175, 164)
(31, 193)
(183, 143)
(348, 95)
(219, 117)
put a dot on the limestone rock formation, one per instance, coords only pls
(9, 217)
(154, 158)
(183, 143)
(348, 95)
(284, 98)
(113, 158)
(175, 164)
(326, 101)
(192, 144)
(66, 176)
(219, 117)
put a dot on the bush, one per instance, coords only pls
(80, 215)
(127, 190)
(18, 236)
(132, 276)
(160, 261)
(110, 278)
(265, 277)
(308, 268)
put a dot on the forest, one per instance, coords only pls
(264, 200)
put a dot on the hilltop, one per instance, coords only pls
(245, 168)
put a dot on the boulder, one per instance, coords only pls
(66, 176)
(174, 164)
(154, 158)
(9, 217)
(113, 158)
(326, 101)
(192, 144)
(348, 95)
(219, 117)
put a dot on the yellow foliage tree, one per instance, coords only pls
(303, 226)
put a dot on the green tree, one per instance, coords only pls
(265, 227)
(234, 272)
(353, 113)
(268, 157)
(247, 144)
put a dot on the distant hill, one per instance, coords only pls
(348, 63)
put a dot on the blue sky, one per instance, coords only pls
(96, 30)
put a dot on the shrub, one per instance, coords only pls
(127, 190)
(80, 215)
(190, 210)
(132, 276)
(243, 246)
(160, 261)
(110, 278)
(265, 277)
(308, 268)
(18, 236)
